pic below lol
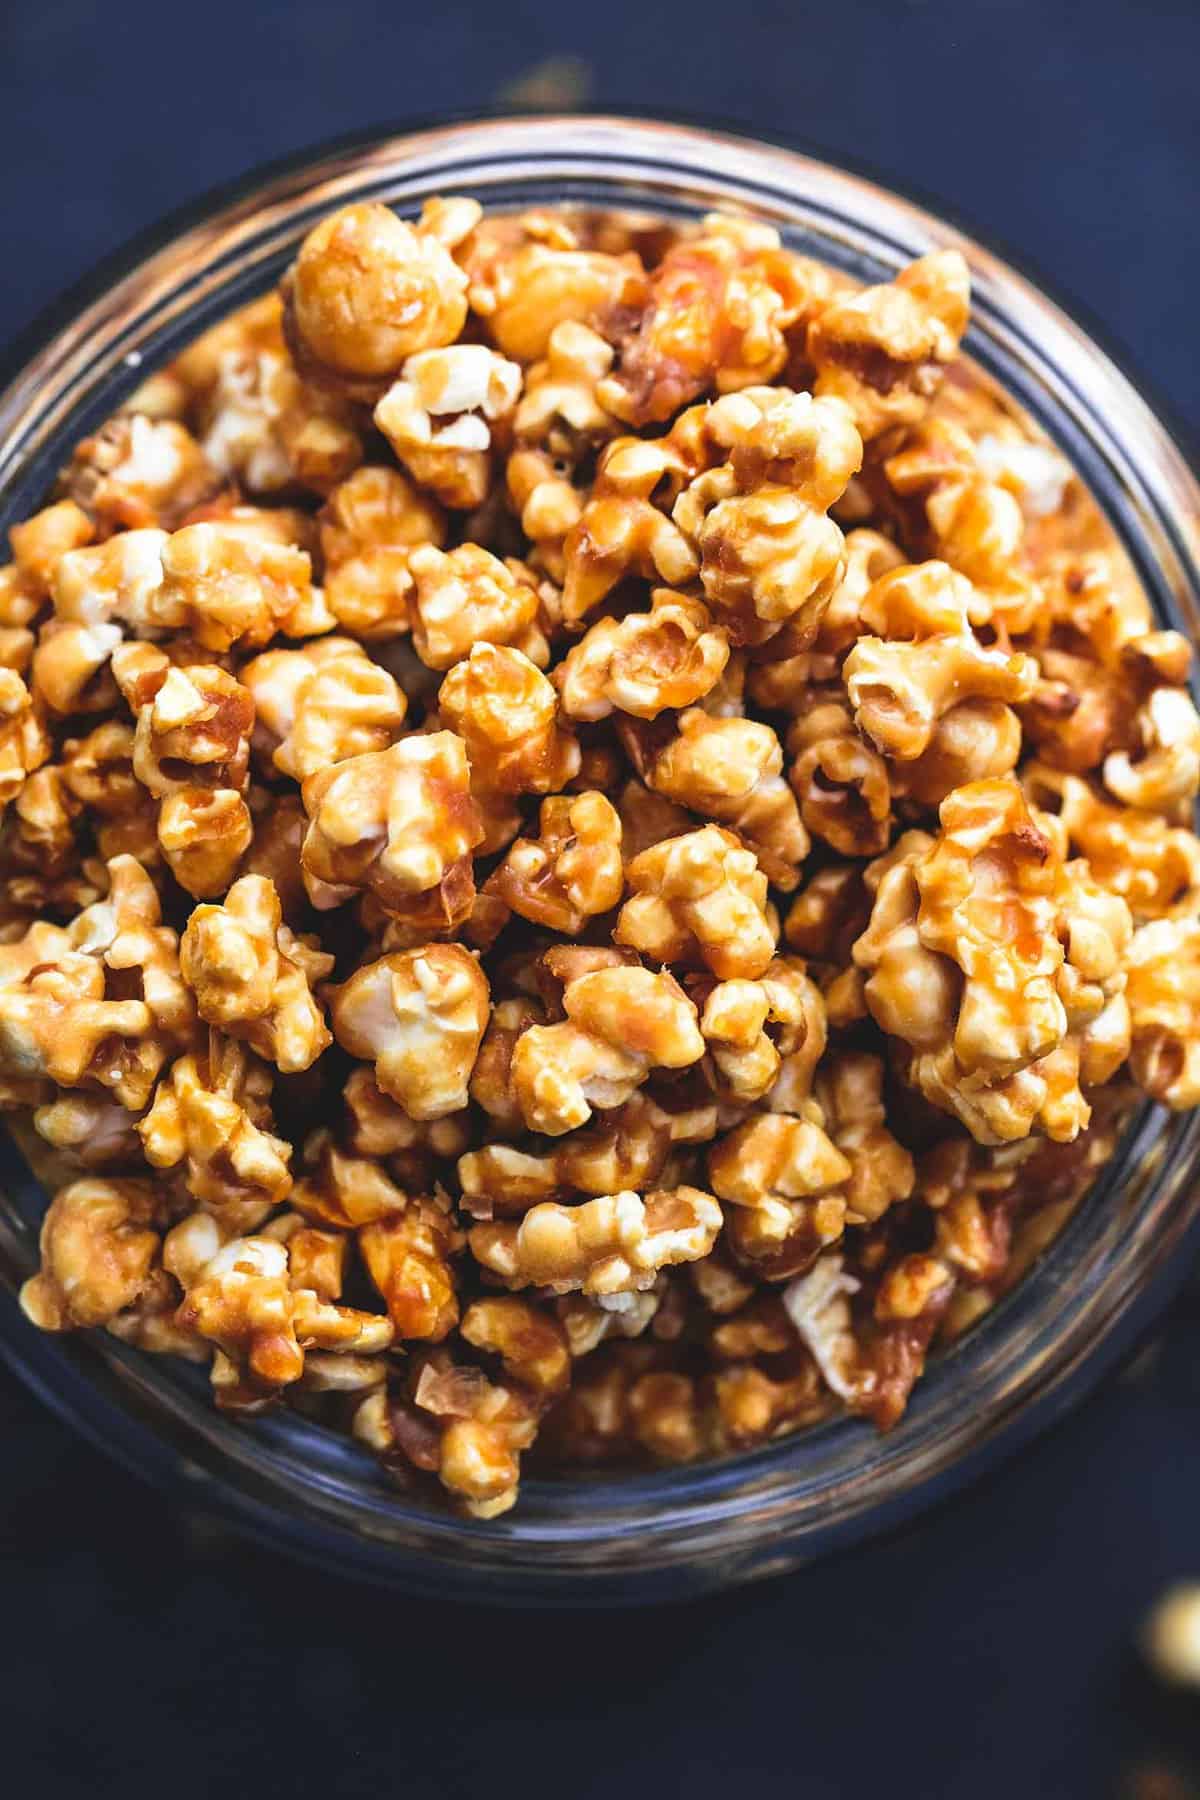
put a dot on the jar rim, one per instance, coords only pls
(1070, 1316)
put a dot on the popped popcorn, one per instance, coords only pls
(211, 1113)
(317, 706)
(1163, 994)
(99, 1252)
(715, 316)
(531, 1346)
(924, 659)
(621, 531)
(988, 954)
(138, 471)
(625, 1147)
(468, 596)
(24, 743)
(530, 275)
(38, 546)
(99, 1003)
(765, 1037)
(558, 423)
(399, 823)
(367, 291)
(842, 783)
(571, 872)
(419, 1016)
(506, 713)
(191, 751)
(782, 1174)
(253, 977)
(732, 770)
(439, 419)
(407, 1255)
(452, 1422)
(245, 1305)
(260, 422)
(417, 707)
(620, 1023)
(645, 663)
(369, 524)
(883, 350)
(609, 1245)
(770, 555)
(699, 898)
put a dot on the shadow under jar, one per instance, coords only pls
(637, 1536)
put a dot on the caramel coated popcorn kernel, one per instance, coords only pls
(397, 823)
(419, 1016)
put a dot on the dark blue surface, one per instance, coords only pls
(984, 1652)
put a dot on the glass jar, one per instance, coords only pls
(678, 1532)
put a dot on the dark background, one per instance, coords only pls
(989, 1649)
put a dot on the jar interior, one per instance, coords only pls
(742, 1514)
